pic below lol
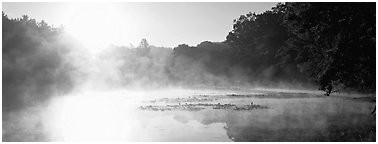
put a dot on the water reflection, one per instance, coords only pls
(100, 117)
(303, 120)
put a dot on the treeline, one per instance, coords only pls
(33, 62)
(207, 65)
(332, 43)
(233, 67)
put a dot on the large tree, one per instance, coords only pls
(258, 39)
(333, 42)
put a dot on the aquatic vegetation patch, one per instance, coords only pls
(201, 106)
(187, 107)
(275, 95)
(199, 98)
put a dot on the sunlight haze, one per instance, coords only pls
(162, 24)
(189, 72)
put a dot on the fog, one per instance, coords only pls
(56, 89)
(40, 62)
(159, 67)
(41, 71)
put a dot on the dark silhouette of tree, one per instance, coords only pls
(257, 38)
(334, 43)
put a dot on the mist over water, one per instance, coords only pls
(56, 89)
(94, 97)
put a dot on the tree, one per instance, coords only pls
(143, 48)
(258, 39)
(33, 63)
(334, 43)
(258, 36)
(144, 43)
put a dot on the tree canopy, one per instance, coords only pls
(333, 43)
(33, 62)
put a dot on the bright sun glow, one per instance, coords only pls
(95, 116)
(99, 25)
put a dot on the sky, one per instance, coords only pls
(162, 24)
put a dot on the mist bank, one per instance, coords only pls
(40, 62)
(207, 65)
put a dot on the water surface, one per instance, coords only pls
(116, 116)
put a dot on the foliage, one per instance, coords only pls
(257, 38)
(334, 43)
(144, 44)
(33, 62)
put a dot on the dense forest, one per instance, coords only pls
(332, 43)
(294, 45)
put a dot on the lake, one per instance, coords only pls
(196, 115)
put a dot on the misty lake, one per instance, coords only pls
(189, 72)
(164, 115)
